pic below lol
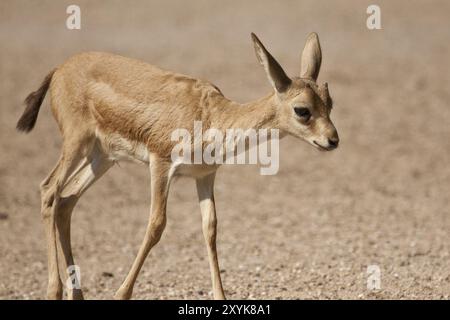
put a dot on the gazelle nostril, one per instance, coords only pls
(333, 142)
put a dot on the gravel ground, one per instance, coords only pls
(308, 232)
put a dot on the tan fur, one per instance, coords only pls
(111, 108)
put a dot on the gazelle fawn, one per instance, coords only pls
(110, 108)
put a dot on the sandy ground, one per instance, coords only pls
(308, 232)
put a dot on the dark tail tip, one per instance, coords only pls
(33, 104)
(28, 119)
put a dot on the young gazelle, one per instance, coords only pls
(110, 108)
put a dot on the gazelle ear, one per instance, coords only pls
(275, 73)
(311, 57)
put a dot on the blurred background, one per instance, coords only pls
(308, 232)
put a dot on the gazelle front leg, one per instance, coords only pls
(205, 190)
(160, 180)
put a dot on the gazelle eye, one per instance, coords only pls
(303, 112)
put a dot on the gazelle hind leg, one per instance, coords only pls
(160, 180)
(54, 288)
(91, 170)
(50, 193)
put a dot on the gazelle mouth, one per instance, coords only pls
(322, 147)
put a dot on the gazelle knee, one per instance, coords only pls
(47, 200)
(46, 196)
(50, 200)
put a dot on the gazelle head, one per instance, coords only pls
(302, 106)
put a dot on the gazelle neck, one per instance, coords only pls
(258, 114)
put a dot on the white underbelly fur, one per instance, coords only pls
(119, 148)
